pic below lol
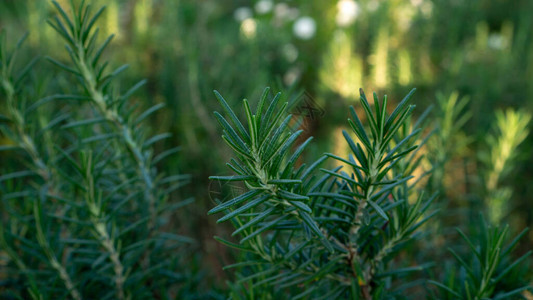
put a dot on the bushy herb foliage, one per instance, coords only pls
(324, 233)
(85, 212)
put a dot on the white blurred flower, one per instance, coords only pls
(249, 28)
(416, 3)
(281, 10)
(290, 52)
(496, 41)
(292, 75)
(281, 14)
(293, 13)
(347, 12)
(264, 6)
(242, 13)
(304, 28)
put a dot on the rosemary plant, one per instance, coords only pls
(512, 128)
(84, 210)
(87, 207)
(322, 233)
(488, 271)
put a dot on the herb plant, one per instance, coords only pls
(85, 212)
(324, 233)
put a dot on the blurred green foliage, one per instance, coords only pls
(480, 50)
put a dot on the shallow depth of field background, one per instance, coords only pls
(323, 52)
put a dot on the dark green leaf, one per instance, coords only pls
(235, 201)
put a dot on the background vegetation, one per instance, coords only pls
(472, 61)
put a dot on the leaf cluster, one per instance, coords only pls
(325, 229)
(84, 210)
(337, 232)
(488, 271)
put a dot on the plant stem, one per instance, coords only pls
(111, 115)
(27, 143)
(98, 218)
(43, 242)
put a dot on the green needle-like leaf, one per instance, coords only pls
(235, 201)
